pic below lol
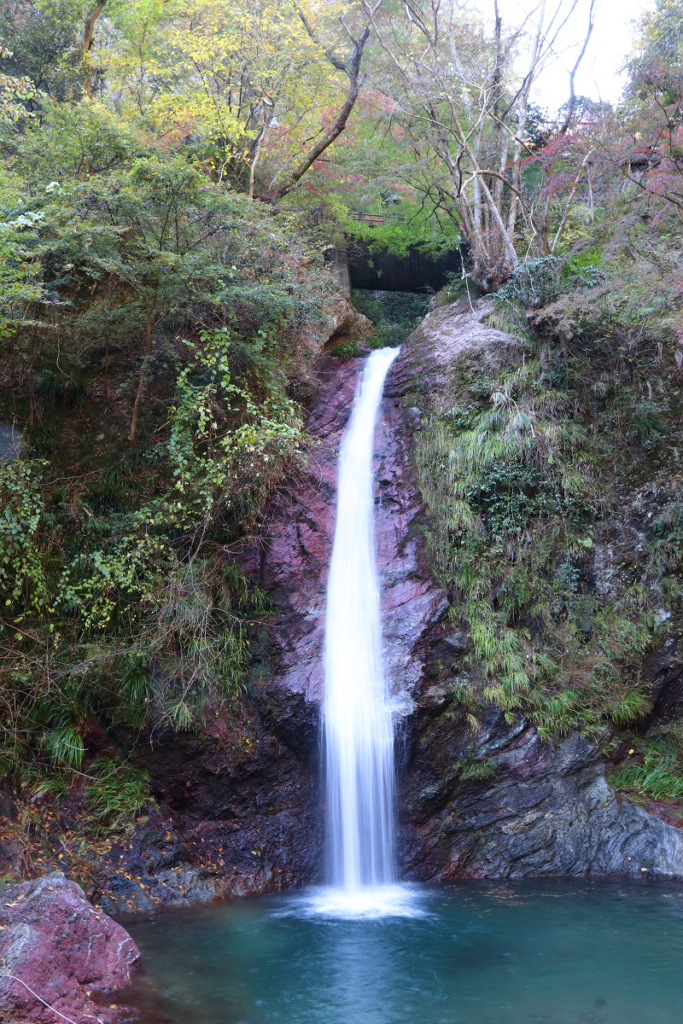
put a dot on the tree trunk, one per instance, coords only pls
(107, 393)
(88, 38)
(31, 399)
(352, 70)
(143, 373)
(571, 105)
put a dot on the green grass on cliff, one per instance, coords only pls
(534, 478)
(652, 769)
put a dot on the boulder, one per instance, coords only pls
(57, 951)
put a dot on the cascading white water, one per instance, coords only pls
(359, 738)
(358, 728)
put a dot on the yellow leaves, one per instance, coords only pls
(216, 69)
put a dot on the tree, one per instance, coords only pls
(464, 109)
(654, 115)
(49, 41)
(634, 152)
(262, 89)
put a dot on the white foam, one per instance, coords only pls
(367, 903)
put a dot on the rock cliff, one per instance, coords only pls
(240, 808)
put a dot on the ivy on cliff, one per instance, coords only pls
(151, 361)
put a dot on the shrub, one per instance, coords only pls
(116, 794)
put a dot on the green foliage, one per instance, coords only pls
(656, 66)
(70, 144)
(394, 314)
(668, 532)
(22, 584)
(348, 349)
(157, 329)
(116, 795)
(518, 489)
(157, 308)
(654, 773)
(45, 41)
(455, 288)
(20, 283)
(533, 282)
(469, 768)
(538, 282)
(583, 269)
(63, 746)
(628, 707)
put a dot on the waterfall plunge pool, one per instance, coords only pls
(551, 952)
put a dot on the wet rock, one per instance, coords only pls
(413, 418)
(626, 538)
(239, 813)
(57, 949)
(663, 670)
(295, 557)
(241, 808)
(542, 809)
(12, 851)
(118, 893)
(499, 802)
(451, 342)
(11, 442)
(457, 641)
(342, 317)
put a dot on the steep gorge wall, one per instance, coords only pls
(240, 808)
(545, 808)
(548, 808)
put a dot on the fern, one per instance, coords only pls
(626, 709)
(470, 768)
(64, 747)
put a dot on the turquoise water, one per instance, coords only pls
(552, 953)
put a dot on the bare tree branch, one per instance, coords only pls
(572, 74)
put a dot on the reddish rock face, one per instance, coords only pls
(58, 948)
(295, 561)
(242, 807)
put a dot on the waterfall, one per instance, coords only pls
(357, 717)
